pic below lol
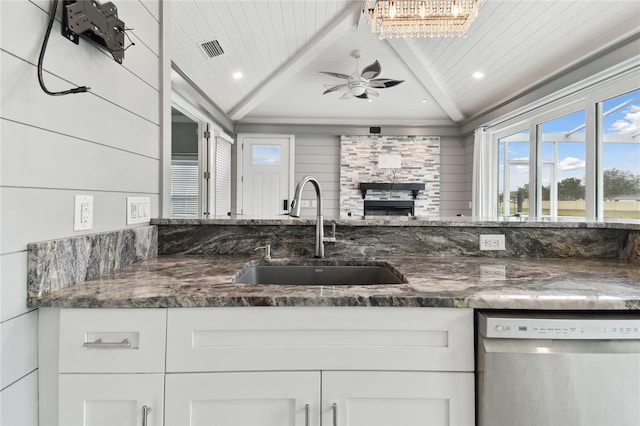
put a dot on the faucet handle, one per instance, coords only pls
(267, 250)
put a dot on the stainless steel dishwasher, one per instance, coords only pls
(552, 369)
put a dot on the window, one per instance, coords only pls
(265, 155)
(513, 174)
(184, 188)
(619, 119)
(580, 155)
(561, 184)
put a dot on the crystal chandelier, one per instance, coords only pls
(422, 18)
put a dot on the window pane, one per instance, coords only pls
(265, 155)
(184, 188)
(620, 122)
(564, 152)
(513, 174)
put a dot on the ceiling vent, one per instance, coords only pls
(211, 48)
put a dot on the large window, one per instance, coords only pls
(583, 163)
(620, 122)
(562, 166)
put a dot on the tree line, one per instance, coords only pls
(616, 183)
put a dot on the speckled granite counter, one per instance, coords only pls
(508, 283)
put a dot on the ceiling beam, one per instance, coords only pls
(344, 22)
(424, 72)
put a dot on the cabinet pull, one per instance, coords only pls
(99, 344)
(334, 407)
(145, 414)
(307, 408)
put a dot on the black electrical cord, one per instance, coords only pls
(43, 49)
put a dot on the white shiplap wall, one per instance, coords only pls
(104, 143)
(319, 156)
(455, 177)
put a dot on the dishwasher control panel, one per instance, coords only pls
(576, 328)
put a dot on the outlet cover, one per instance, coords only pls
(138, 210)
(492, 242)
(83, 213)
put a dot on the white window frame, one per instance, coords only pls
(589, 99)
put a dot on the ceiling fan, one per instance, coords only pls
(360, 85)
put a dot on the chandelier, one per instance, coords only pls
(421, 18)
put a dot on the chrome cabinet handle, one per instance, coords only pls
(99, 344)
(334, 407)
(145, 414)
(307, 408)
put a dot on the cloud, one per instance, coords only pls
(630, 123)
(571, 163)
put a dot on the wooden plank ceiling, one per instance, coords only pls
(280, 45)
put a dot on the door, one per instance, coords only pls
(398, 398)
(243, 399)
(265, 178)
(110, 399)
(552, 382)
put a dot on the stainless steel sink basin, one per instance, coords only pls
(319, 274)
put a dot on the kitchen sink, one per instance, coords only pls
(319, 273)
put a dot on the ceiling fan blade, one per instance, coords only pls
(371, 71)
(363, 96)
(347, 95)
(335, 74)
(334, 88)
(383, 83)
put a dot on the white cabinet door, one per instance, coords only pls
(397, 398)
(110, 399)
(243, 399)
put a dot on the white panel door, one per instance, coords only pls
(110, 399)
(370, 398)
(266, 179)
(243, 399)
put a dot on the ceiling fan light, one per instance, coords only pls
(357, 88)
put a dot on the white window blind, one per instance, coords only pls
(223, 177)
(184, 188)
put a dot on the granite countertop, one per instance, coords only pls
(466, 282)
(420, 221)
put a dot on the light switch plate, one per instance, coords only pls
(138, 210)
(83, 213)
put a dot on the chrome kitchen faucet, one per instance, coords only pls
(295, 211)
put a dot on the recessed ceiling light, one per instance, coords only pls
(237, 75)
(424, 101)
(370, 100)
(478, 75)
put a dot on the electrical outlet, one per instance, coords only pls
(138, 210)
(304, 204)
(83, 213)
(492, 242)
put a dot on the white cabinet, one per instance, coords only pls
(369, 366)
(111, 399)
(262, 366)
(398, 398)
(243, 399)
(102, 366)
(371, 398)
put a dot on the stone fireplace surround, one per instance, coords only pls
(360, 163)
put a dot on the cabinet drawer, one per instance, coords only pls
(112, 340)
(319, 338)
